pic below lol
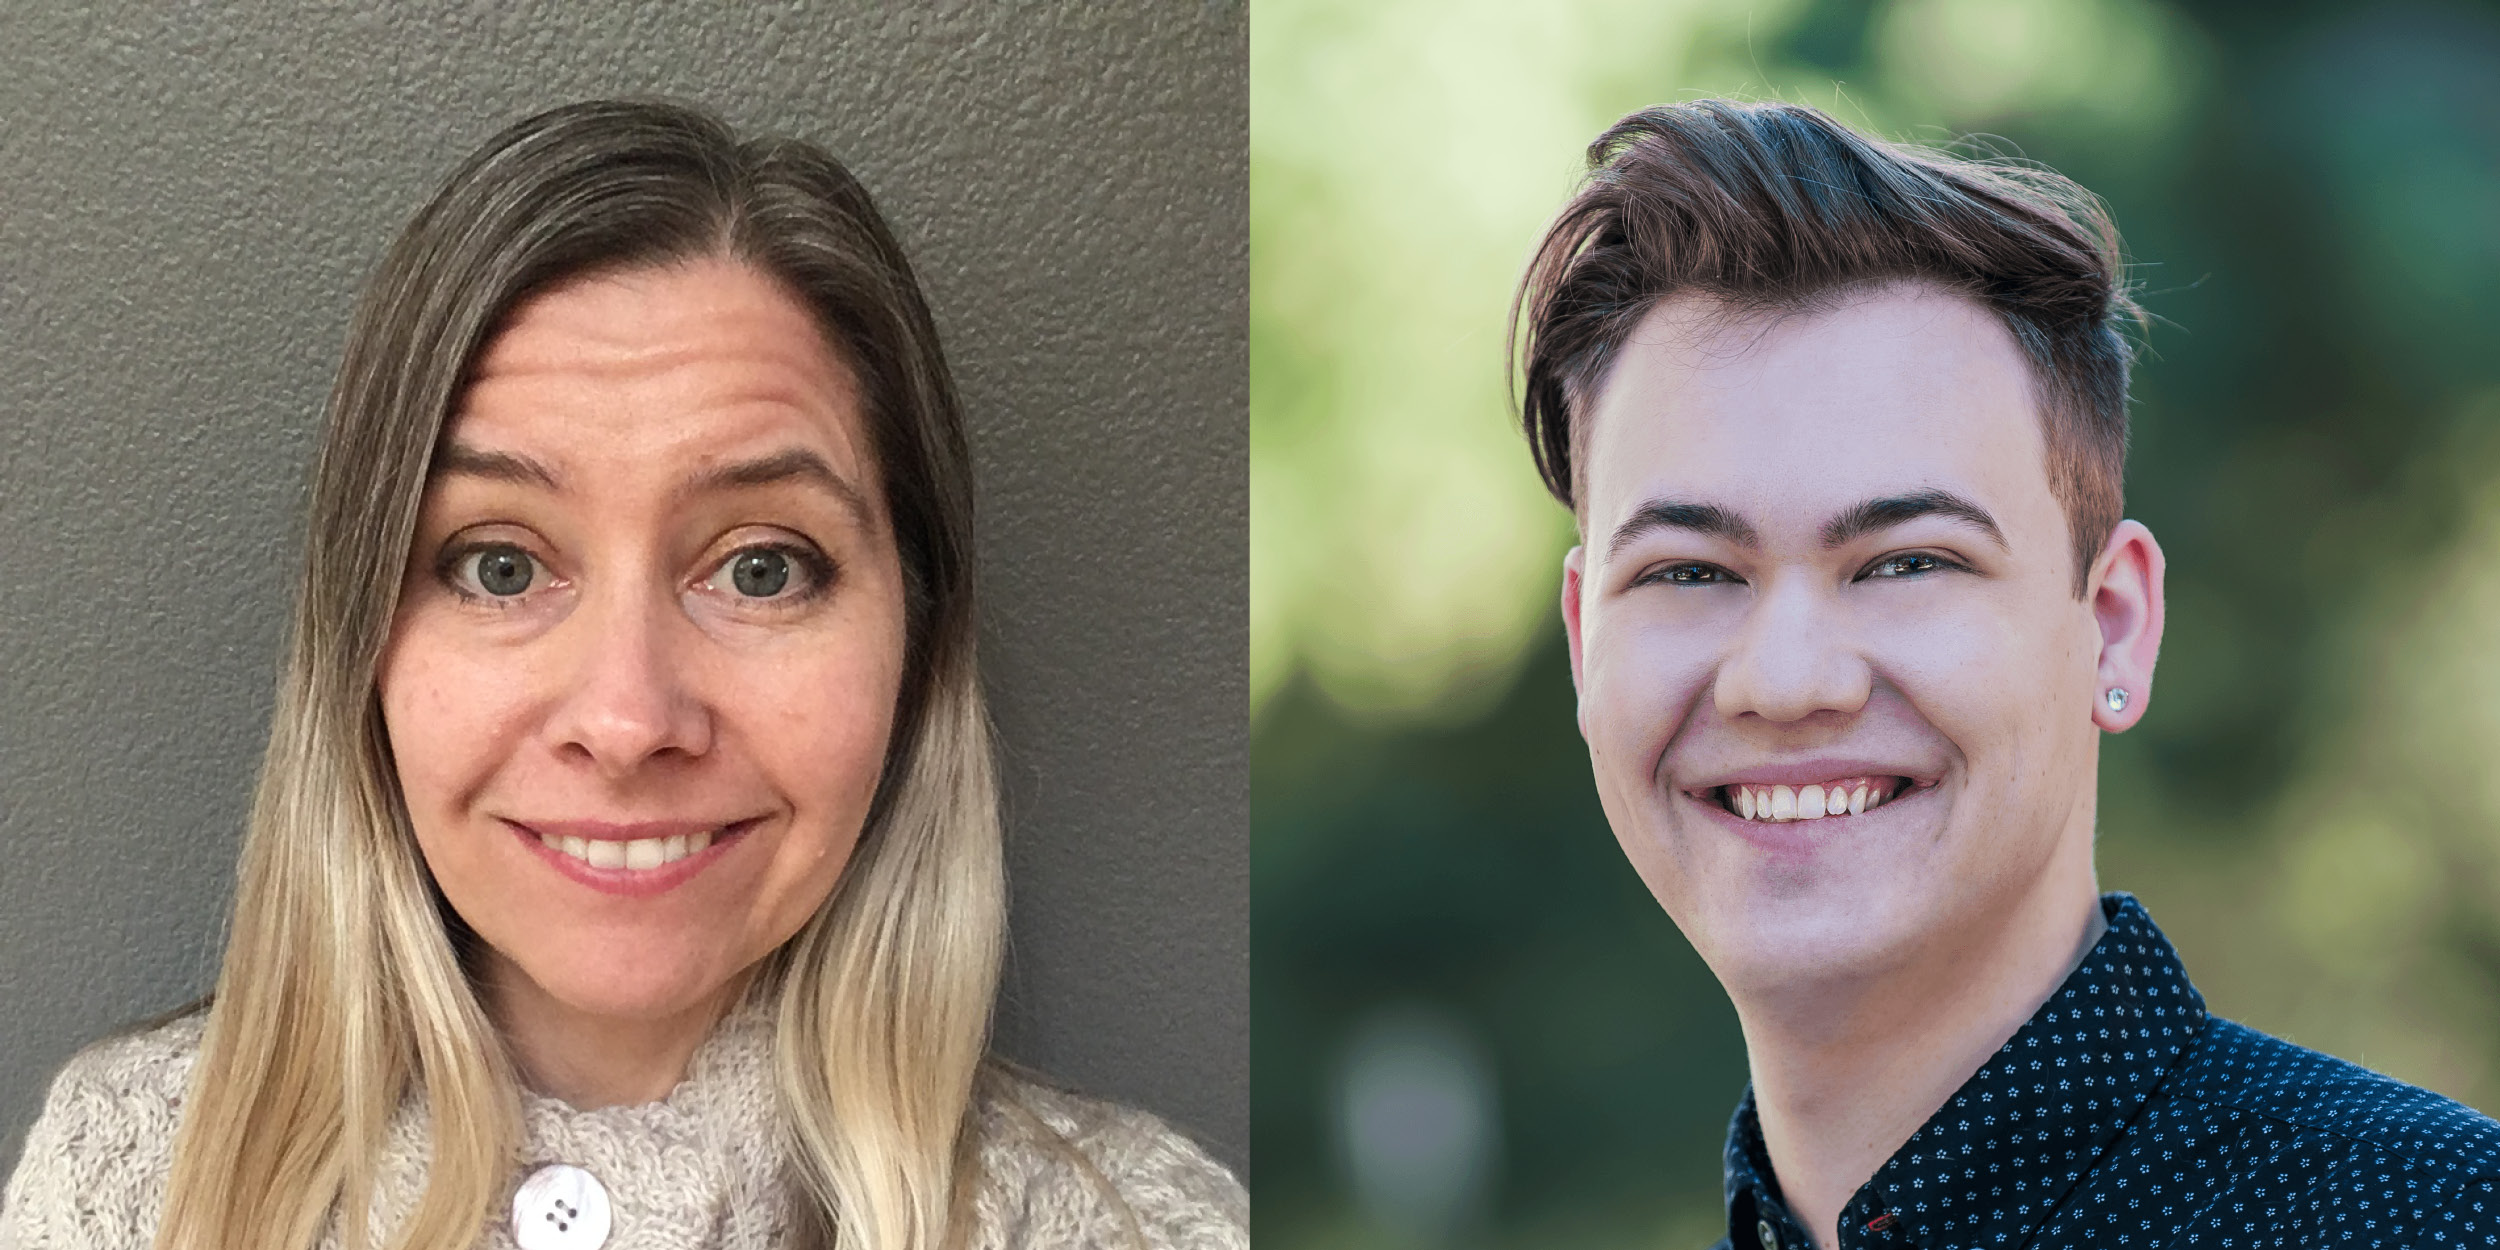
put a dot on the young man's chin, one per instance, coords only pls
(1794, 906)
(1770, 944)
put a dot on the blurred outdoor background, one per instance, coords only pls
(1472, 1025)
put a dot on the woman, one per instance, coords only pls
(625, 865)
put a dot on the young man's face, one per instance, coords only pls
(1822, 555)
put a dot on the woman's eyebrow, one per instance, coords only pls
(496, 466)
(789, 464)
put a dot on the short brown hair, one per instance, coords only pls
(1776, 207)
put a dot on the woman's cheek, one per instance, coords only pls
(452, 715)
(824, 726)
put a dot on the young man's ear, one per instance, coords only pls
(1575, 564)
(2126, 604)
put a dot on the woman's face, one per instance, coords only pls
(645, 662)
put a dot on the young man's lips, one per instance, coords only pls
(1807, 790)
(1839, 796)
(1810, 772)
(1783, 814)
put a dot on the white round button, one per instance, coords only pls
(560, 1207)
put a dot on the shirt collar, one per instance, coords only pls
(2054, 1098)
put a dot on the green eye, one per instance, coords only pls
(759, 573)
(503, 571)
(771, 576)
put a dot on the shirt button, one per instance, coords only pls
(1770, 1240)
(560, 1207)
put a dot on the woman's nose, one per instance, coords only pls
(1792, 659)
(631, 699)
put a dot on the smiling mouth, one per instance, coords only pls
(1841, 796)
(640, 854)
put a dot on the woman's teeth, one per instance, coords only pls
(638, 854)
(1846, 797)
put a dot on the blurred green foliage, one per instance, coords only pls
(2311, 195)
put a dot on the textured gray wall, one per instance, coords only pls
(189, 197)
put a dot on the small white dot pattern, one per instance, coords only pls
(2122, 1115)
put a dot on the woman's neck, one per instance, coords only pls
(589, 1060)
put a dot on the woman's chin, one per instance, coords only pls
(627, 990)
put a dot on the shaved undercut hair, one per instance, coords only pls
(1776, 208)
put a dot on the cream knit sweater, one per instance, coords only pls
(697, 1169)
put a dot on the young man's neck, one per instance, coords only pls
(1844, 1074)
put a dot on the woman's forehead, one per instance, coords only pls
(645, 316)
(659, 368)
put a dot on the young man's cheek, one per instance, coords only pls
(1644, 679)
(1949, 635)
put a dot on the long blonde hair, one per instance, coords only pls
(343, 987)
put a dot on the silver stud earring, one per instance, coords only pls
(2116, 698)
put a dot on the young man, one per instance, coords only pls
(1843, 425)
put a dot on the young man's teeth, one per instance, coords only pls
(639, 854)
(1781, 803)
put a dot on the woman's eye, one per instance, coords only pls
(499, 572)
(759, 574)
(767, 573)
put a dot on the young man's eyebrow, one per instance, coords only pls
(1890, 510)
(791, 464)
(1677, 514)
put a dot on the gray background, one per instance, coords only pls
(189, 198)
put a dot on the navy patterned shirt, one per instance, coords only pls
(2122, 1115)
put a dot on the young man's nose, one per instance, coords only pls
(629, 698)
(1791, 659)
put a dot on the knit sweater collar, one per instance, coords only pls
(698, 1167)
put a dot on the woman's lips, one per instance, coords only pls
(632, 860)
(639, 854)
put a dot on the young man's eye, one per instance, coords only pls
(1907, 564)
(1688, 573)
